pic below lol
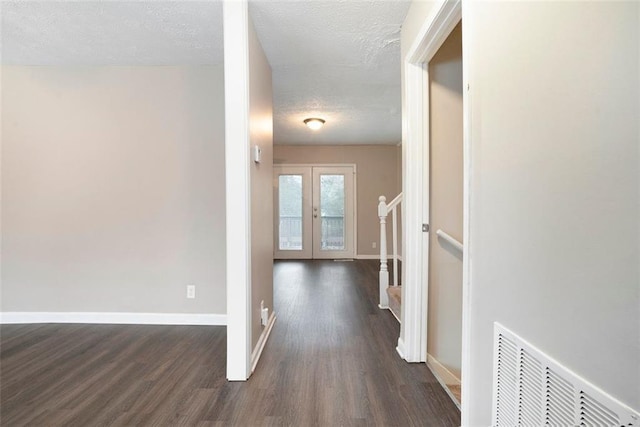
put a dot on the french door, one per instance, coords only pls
(314, 212)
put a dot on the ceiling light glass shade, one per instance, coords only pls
(314, 123)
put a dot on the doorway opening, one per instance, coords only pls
(445, 193)
(314, 214)
(422, 339)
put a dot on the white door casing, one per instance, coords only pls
(412, 344)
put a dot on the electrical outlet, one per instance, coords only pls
(191, 291)
(374, 245)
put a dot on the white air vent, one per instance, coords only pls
(531, 389)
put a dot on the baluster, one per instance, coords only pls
(384, 272)
(394, 228)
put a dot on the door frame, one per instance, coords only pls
(412, 343)
(321, 165)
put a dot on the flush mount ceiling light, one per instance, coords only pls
(314, 123)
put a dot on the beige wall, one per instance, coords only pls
(261, 133)
(418, 12)
(377, 174)
(113, 189)
(445, 262)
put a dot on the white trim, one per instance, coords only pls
(436, 28)
(355, 209)
(262, 341)
(121, 318)
(360, 256)
(391, 311)
(441, 371)
(238, 188)
(444, 377)
(400, 347)
(466, 226)
(434, 31)
(423, 303)
(367, 256)
(412, 330)
(315, 165)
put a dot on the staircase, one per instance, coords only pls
(394, 294)
(390, 296)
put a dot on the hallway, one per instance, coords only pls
(330, 361)
(332, 353)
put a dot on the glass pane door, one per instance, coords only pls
(292, 212)
(333, 212)
(314, 212)
(332, 235)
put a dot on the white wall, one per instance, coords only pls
(555, 187)
(249, 118)
(113, 189)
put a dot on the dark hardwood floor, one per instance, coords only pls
(330, 361)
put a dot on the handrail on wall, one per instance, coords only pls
(383, 212)
(451, 240)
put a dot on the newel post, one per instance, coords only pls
(384, 272)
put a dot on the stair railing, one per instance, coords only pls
(383, 212)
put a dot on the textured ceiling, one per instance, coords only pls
(111, 32)
(338, 60)
(334, 59)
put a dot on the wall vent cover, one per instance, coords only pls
(531, 389)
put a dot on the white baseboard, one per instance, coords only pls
(389, 259)
(400, 348)
(394, 315)
(359, 256)
(441, 372)
(113, 318)
(264, 336)
(444, 377)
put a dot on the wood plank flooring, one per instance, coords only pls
(330, 361)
